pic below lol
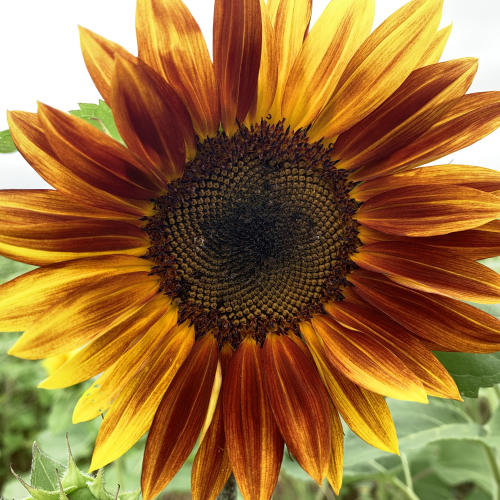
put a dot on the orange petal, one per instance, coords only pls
(95, 157)
(102, 352)
(51, 242)
(30, 140)
(429, 210)
(471, 118)
(335, 468)
(290, 19)
(254, 443)
(298, 398)
(35, 205)
(364, 318)
(431, 269)
(85, 312)
(237, 54)
(424, 97)
(480, 243)
(24, 301)
(99, 396)
(327, 49)
(365, 412)
(450, 323)
(211, 466)
(436, 48)
(484, 179)
(99, 56)
(151, 118)
(131, 414)
(268, 71)
(367, 361)
(382, 63)
(171, 42)
(179, 418)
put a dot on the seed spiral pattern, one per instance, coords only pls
(256, 234)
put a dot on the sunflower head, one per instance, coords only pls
(260, 256)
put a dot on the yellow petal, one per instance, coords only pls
(99, 396)
(24, 301)
(380, 66)
(327, 49)
(435, 50)
(133, 411)
(98, 355)
(290, 19)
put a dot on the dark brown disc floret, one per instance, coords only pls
(256, 235)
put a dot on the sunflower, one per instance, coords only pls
(261, 255)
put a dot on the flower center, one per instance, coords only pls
(256, 235)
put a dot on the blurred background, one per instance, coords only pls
(448, 449)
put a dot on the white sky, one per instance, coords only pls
(40, 58)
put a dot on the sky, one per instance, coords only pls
(41, 61)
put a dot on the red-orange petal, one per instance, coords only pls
(268, 71)
(367, 361)
(171, 42)
(484, 179)
(431, 269)
(179, 418)
(429, 210)
(481, 242)
(95, 157)
(29, 137)
(44, 240)
(471, 118)
(298, 398)
(364, 318)
(151, 118)
(211, 466)
(99, 56)
(254, 443)
(237, 53)
(365, 412)
(417, 104)
(450, 323)
(34, 205)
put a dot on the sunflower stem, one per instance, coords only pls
(406, 471)
(229, 490)
(494, 466)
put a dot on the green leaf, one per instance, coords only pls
(462, 461)
(472, 371)
(100, 116)
(51, 480)
(6, 143)
(45, 470)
